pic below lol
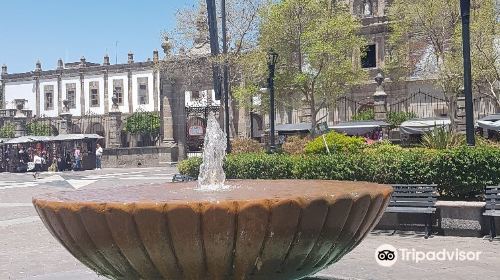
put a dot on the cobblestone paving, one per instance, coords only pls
(28, 251)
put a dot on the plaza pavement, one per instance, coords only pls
(28, 251)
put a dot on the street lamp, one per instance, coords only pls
(469, 109)
(272, 58)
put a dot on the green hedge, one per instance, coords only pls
(460, 173)
(337, 143)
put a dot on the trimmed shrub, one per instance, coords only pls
(460, 173)
(337, 143)
(259, 166)
(190, 166)
(295, 145)
(245, 145)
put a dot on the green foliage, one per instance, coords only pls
(316, 42)
(245, 145)
(442, 138)
(365, 115)
(337, 143)
(7, 131)
(259, 166)
(397, 118)
(143, 123)
(190, 166)
(38, 129)
(460, 173)
(426, 38)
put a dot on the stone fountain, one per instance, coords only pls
(235, 229)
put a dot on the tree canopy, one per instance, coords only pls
(318, 43)
(426, 42)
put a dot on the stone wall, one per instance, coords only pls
(138, 157)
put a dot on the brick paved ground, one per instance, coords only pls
(28, 251)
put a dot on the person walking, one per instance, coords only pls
(37, 159)
(98, 157)
(78, 159)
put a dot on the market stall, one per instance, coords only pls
(368, 129)
(421, 126)
(286, 130)
(411, 131)
(3, 149)
(17, 153)
(65, 145)
(489, 126)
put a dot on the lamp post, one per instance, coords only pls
(469, 109)
(225, 74)
(272, 58)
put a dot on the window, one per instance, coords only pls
(195, 95)
(94, 94)
(71, 95)
(367, 8)
(118, 90)
(143, 91)
(369, 58)
(49, 97)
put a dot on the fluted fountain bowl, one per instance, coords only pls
(256, 229)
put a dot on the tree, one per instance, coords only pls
(35, 128)
(318, 43)
(144, 124)
(190, 40)
(426, 41)
(7, 131)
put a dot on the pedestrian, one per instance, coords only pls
(37, 159)
(78, 159)
(98, 157)
(69, 162)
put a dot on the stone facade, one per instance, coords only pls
(89, 86)
(138, 157)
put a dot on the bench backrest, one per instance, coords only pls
(492, 198)
(182, 178)
(416, 196)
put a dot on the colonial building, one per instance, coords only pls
(87, 86)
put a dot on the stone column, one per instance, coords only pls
(60, 98)
(106, 91)
(380, 98)
(167, 122)
(115, 124)
(82, 93)
(130, 92)
(155, 87)
(66, 124)
(2, 86)
(38, 71)
(20, 119)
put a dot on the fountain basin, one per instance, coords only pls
(257, 229)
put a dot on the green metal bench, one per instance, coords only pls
(492, 208)
(417, 199)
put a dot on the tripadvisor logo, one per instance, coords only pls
(387, 255)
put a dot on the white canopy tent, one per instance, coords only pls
(358, 127)
(491, 122)
(421, 126)
(62, 137)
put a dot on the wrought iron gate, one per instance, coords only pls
(196, 123)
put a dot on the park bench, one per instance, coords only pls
(417, 199)
(182, 178)
(492, 210)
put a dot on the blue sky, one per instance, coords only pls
(68, 29)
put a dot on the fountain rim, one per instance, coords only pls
(362, 189)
